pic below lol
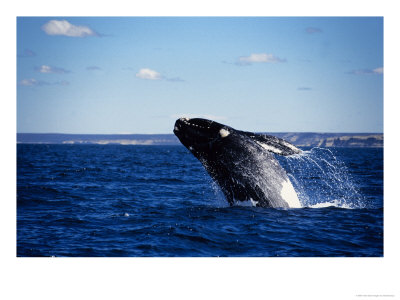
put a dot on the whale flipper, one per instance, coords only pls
(273, 144)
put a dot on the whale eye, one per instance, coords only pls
(224, 133)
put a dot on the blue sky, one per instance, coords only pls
(137, 75)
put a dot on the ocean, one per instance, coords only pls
(158, 201)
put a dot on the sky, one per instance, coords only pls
(116, 75)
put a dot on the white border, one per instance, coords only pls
(201, 278)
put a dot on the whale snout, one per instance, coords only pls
(179, 124)
(195, 125)
(198, 133)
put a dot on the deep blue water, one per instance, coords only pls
(114, 200)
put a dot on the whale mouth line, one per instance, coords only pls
(187, 122)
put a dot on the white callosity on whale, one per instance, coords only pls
(242, 163)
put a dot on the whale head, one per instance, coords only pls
(201, 136)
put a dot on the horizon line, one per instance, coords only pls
(363, 132)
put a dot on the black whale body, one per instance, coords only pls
(242, 163)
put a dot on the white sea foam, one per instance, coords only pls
(248, 203)
(334, 203)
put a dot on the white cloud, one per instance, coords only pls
(44, 69)
(49, 69)
(260, 58)
(148, 74)
(28, 82)
(63, 27)
(367, 71)
(35, 82)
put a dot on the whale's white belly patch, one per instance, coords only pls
(289, 195)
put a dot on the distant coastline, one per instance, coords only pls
(301, 139)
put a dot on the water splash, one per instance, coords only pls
(321, 179)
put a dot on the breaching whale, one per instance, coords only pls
(242, 163)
